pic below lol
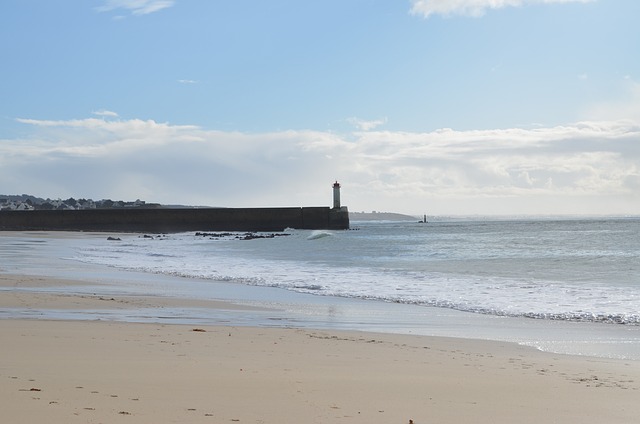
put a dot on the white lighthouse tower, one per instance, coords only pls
(336, 195)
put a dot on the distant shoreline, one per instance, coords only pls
(380, 216)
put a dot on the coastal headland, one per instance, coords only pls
(172, 220)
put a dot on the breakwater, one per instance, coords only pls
(173, 220)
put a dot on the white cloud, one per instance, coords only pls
(187, 81)
(105, 113)
(365, 125)
(136, 7)
(473, 8)
(583, 167)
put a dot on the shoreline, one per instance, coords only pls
(68, 371)
(97, 371)
(51, 256)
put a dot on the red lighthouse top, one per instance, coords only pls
(336, 185)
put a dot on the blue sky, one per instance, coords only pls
(415, 106)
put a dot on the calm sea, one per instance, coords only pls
(552, 269)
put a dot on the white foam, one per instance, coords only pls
(318, 234)
(486, 268)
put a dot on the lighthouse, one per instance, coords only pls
(336, 195)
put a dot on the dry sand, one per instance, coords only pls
(112, 372)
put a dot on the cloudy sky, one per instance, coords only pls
(415, 106)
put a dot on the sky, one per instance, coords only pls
(438, 107)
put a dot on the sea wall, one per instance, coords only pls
(170, 220)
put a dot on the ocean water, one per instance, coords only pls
(554, 269)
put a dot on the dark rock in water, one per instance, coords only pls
(245, 236)
(253, 236)
(214, 235)
(113, 238)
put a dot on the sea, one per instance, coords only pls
(567, 285)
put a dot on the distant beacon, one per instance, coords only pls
(336, 195)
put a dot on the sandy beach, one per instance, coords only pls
(105, 372)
